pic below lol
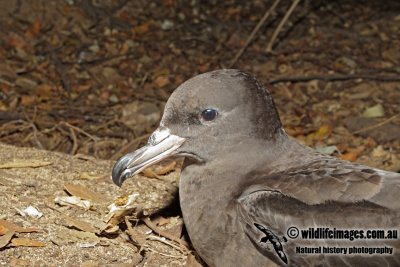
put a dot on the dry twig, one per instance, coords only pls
(380, 124)
(280, 26)
(253, 33)
(153, 227)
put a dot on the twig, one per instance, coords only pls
(94, 138)
(376, 125)
(153, 227)
(280, 26)
(164, 254)
(135, 237)
(35, 129)
(335, 77)
(74, 141)
(253, 33)
(183, 250)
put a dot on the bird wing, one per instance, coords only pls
(329, 179)
(328, 193)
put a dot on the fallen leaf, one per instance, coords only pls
(28, 100)
(26, 242)
(80, 225)
(84, 193)
(323, 131)
(3, 230)
(65, 236)
(350, 156)
(160, 221)
(374, 112)
(142, 28)
(90, 176)
(161, 81)
(44, 91)
(73, 201)
(34, 29)
(24, 164)
(328, 150)
(5, 239)
(15, 228)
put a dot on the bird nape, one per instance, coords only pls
(246, 187)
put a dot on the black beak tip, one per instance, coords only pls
(120, 173)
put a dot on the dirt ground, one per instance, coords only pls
(89, 79)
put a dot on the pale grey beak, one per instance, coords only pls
(161, 144)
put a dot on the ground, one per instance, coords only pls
(90, 78)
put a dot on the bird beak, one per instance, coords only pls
(161, 144)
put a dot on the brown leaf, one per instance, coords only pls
(142, 28)
(350, 156)
(26, 242)
(15, 228)
(34, 29)
(5, 239)
(3, 230)
(84, 193)
(161, 81)
(81, 225)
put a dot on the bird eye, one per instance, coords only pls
(209, 114)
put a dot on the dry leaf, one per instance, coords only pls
(66, 236)
(81, 225)
(5, 239)
(13, 227)
(90, 176)
(374, 112)
(73, 201)
(350, 156)
(26, 242)
(84, 193)
(21, 163)
(161, 81)
(3, 230)
(142, 28)
(34, 29)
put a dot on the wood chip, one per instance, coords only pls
(84, 193)
(24, 164)
(26, 242)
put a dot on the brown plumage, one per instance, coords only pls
(244, 182)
